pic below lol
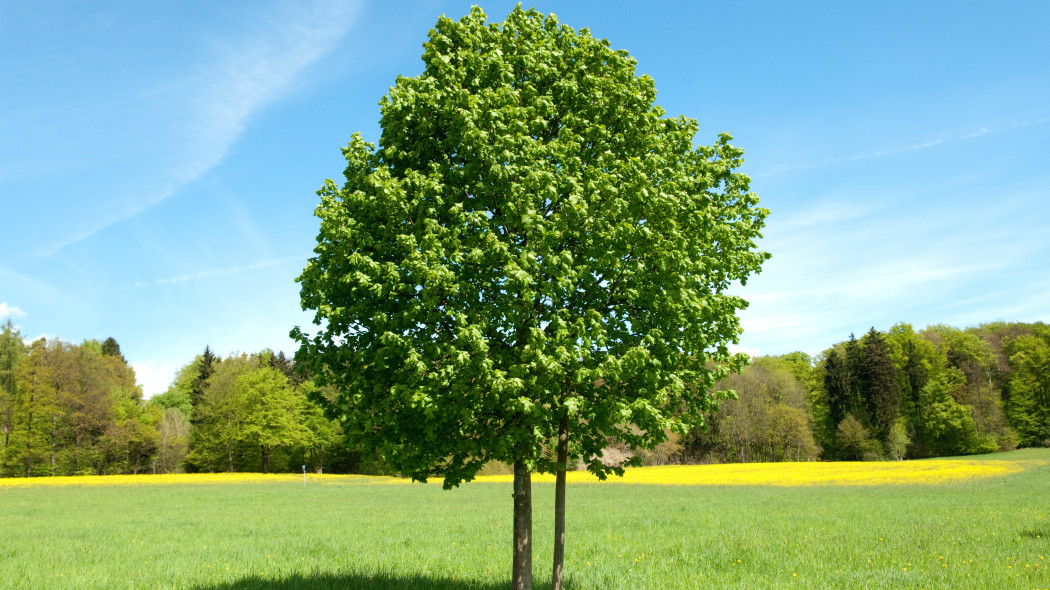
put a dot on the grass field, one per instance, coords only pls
(986, 527)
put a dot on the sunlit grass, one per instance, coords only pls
(269, 533)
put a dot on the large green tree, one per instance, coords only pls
(534, 254)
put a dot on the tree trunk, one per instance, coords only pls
(29, 434)
(265, 458)
(54, 427)
(559, 504)
(229, 455)
(521, 573)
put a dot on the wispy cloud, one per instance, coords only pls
(217, 272)
(825, 212)
(10, 311)
(940, 139)
(244, 77)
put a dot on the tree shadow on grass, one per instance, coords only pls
(352, 581)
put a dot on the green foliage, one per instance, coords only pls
(35, 411)
(855, 442)
(205, 366)
(767, 421)
(1029, 405)
(65, 412)
(249, 410)
(950, 427)
(837, 385)
(273, 414)
(181, 391)
(11, 352)
(878, 382)
(173, 440)
(111, 348)
(531, 239)
(219, 418)
(132, 438)
(898, 440)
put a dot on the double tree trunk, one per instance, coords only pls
(559, 504)
(521, 571)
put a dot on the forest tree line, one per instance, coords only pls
(76, 409)
(70, 409)
(941, 391)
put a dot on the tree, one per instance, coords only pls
(533, 255)
(855, 442)
(1029, 405)
(837, 382)
(219, 416)
(180, 393)
(173, 437)
(11, 352)
(950, 427)
(273, 414)
(132, 437)
(879, 384)
(768, 420)
(111, 348)
(205, 364)
(35, 414)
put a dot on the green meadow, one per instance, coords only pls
(992, 533)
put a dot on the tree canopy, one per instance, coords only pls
(531, 239)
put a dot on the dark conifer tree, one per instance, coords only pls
(917, 375)
(837, 384)
(282, 364)
(855, 368)
(111, 348)
(205, 367)
(879, 383)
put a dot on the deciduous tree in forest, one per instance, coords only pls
(35, 411)
(273, 413)
(219, 416)
(11, 352)
(1029, 403)
(533, 255)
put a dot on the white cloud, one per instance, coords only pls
(10, 311)
(751, 351)
(154, 376)
(941, 138)
(216, 272)
(245, 76)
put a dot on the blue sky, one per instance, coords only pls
(158, 163)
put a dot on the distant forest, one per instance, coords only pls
(70, 409)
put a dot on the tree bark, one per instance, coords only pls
(521, 574)
(29, 433)
(54, 428)
(559, 504)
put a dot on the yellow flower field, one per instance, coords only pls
(193, 478)
(931, 471)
